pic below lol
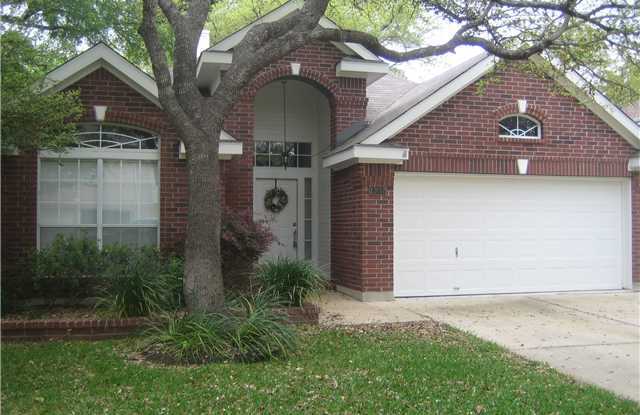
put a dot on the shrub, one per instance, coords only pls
(257, 332)
(292, 280)
(243, 241)
(247, 331)
(139, 282)
(66, 269)
(187, 339)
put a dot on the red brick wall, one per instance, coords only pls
(462, 134)
(19, 193)
(127, 106)
(362, 227)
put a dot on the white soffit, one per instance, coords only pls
(361, 153)
(369, 70)
(210, 63)
(102, 56)
(232, 40)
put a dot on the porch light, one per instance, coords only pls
(522, 106)
(523, 165)
(182, 151)
(100, 111)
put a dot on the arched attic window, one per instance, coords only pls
(521, 127)
(102, 136)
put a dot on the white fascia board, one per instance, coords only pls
(599, 105)
(101, 56)
(432, 102)
(371, 71)
(634, 163)
(232, 40)
(366, 154)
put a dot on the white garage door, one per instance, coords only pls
(460, 234)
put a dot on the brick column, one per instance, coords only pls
(362, 231)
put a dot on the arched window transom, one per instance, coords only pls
(94, 135)
(520, 126)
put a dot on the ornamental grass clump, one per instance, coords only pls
(247, 330)
(292, 280)
(139, 282)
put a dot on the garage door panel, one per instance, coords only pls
(510, 234)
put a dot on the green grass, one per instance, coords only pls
(335, 371)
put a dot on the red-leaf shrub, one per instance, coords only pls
(243, 241)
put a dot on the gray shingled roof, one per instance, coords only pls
(397, 104)
(384, 92)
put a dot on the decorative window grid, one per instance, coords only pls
(308, 236)
(520, 126)
(274, 154)
(93, 192)
(111, 136)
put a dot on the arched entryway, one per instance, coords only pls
(292, 129)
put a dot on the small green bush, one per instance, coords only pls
(67, 269)
(139, 282)
(247, 331)
(292, 280)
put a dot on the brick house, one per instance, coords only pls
(485, 179)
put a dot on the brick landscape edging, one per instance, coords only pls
(39, 330)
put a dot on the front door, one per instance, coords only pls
(283, 224)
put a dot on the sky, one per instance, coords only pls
(420, 70)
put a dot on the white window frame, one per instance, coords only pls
(521, 137)
(98, 154)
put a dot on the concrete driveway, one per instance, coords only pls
(594, 337)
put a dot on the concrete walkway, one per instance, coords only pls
(594, 337)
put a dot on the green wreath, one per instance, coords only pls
(275, 200)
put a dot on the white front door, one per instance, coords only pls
(475, 235)
(284, 224)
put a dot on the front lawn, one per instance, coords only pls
(415, 369)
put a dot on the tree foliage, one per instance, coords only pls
(32, 120)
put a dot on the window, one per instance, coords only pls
(307, 219)
(276, 153)
(520, 126)
(93, 135)
(89, 192)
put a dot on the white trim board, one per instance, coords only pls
(347, 47)
(102, 56)
(361, 153)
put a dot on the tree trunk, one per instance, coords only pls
(203, 285)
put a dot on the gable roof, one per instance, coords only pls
(349, 48)
(427, 96)
(102, 56)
